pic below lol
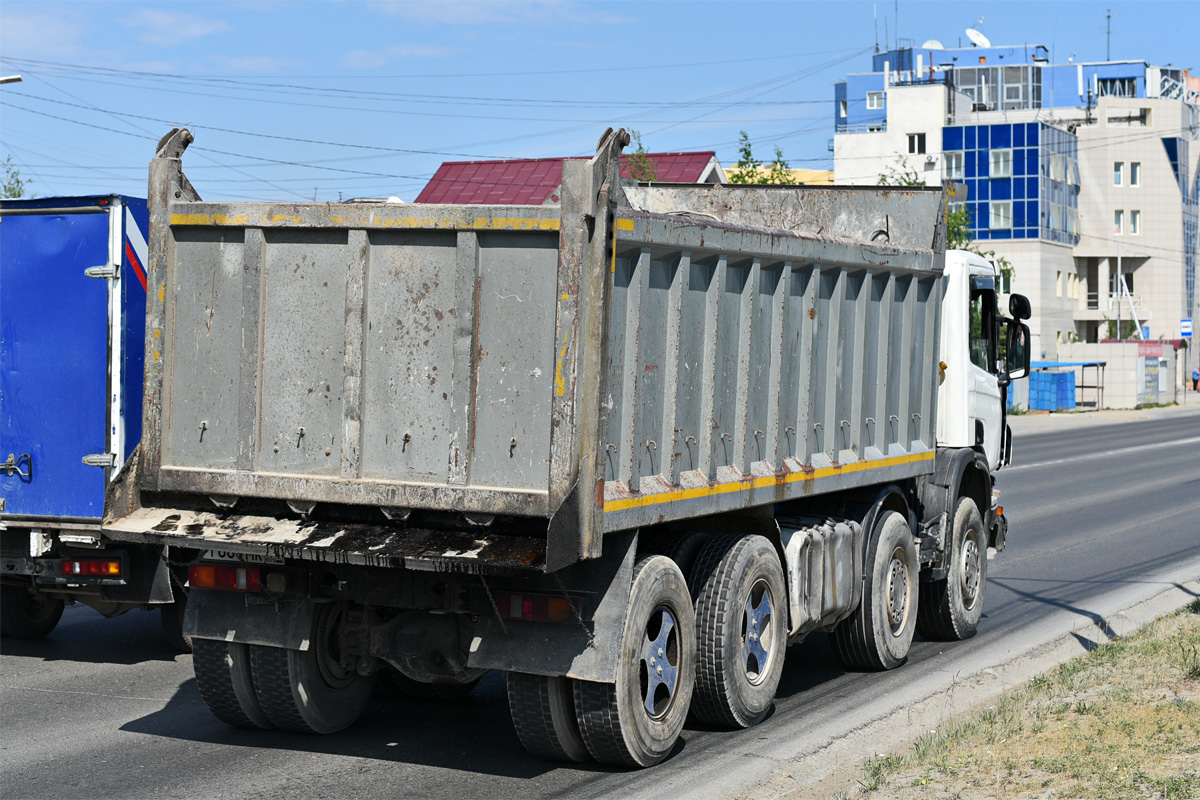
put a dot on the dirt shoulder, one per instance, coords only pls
(1121, 722)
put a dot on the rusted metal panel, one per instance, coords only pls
(631, 356)
(376, 545)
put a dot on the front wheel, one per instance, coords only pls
(310, 691)
(25, 614)
(878, 634)
(636, 721)
(952, 607)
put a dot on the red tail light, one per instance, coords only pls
(222, 576)
(538, 607)
(92, 567)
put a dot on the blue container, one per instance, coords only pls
(72, 342)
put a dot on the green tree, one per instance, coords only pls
(747, 165)
(13, 185)
(641, 165)
(749, 170)
(900, 174)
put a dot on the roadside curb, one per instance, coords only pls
(832, 769)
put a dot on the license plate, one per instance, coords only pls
(241, 558)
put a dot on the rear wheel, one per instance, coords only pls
(636, 721)
(879, 633)
(682, 548)
(952, 607)
(310, 691)
(223, 675)
(26, 614)
(741, 633)
(543, 714)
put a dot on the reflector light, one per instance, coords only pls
(227, 577)
(538, 607)
(92, 567)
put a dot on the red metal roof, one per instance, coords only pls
(532, 181)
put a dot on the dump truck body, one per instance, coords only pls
(624, 449)
(572, 370)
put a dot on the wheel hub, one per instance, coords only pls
(328, 649)
(757, 637)
(971, 568)
(897, 591)
(659, 662)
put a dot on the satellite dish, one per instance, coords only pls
(977, 38)
(933, 44)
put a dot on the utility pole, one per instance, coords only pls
(1108, 43)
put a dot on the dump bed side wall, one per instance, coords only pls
(746, 366)
(386, 357)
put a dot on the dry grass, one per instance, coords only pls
(1121, 722)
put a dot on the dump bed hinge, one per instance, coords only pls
(100, 460)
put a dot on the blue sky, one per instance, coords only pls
(321, 99)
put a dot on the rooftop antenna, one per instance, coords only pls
(1108, 36)
(875, 13)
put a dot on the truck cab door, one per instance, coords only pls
(984, 397)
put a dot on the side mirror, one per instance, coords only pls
(1016, 348)
(1018, 306)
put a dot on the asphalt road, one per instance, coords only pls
(101, 709)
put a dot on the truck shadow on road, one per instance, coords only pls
(86, 637)
(473, 734)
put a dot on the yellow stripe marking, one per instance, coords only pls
(767, 482)
(624, 224)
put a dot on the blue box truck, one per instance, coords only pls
(72, 343)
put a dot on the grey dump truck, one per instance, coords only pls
(625, 449)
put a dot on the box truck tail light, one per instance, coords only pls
(92, 567)
(538, 607)
(221, 576)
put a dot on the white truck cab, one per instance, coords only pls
(981, 353)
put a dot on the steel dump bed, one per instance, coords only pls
(476, 387)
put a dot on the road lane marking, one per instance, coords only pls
(1118, 452)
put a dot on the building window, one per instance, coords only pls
(916, 143)
(1118, 222)
(874, 101)
(1135, 222)
(1135, 173)
(954, 166)
(842, 109)
(1001, 217)
(1118, 172)
(1001, 164)
(1058, 284)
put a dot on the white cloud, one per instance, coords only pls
(166, 28)
(492, 12)
(41, 35)
(373, 59)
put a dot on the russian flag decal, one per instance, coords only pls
(135, 248)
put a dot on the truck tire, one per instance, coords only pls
(394, 683)
(741, 630)
(25, 614)
(543, 715)
(223, 675)
(950, 609)
(636, 721)
(308, 691)
(878, 634)
(682, 548)
(171, 618)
